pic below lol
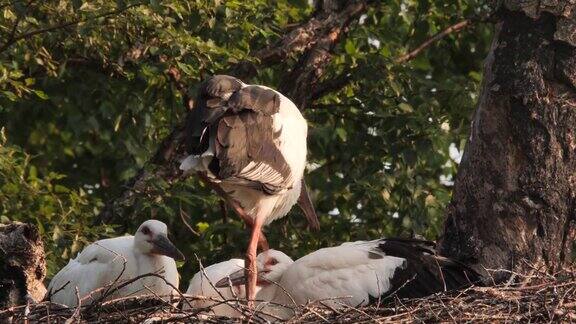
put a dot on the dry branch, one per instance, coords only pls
(535, 297)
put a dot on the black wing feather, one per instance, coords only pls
(424, 273)
(209, 106)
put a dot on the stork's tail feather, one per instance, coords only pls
(426, 272)
(307, 207)
(457, 274)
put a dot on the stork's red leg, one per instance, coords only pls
(251, 269)
(263, 242)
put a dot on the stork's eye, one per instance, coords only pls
(272, 262)
(145, 230)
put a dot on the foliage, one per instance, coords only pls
(60, 213)
(89, 99)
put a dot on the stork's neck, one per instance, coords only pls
(139, 246)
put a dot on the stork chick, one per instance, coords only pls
(354, 274)
(108, 263)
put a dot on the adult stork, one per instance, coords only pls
(356, 273)
(202, 284)
(108, 263)
(249, 142)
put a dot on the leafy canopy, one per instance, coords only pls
(85, 101)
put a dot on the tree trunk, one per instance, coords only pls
(22, 265)
(515, 194)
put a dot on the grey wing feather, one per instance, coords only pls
(220, 85)
(258, 99)
(239, 120)
(245, 150)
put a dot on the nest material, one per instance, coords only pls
(537, 297)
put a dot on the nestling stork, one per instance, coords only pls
(202, 285)
(109, 262)
(357, 273)
(250, 142)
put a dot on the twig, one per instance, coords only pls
(78, 307)
(183, 217)
(105, 294)
(52, 293)
(15, 39)
(454, 28)
(213, 286)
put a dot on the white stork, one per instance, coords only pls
(108, 263)
(355, 273)
(250, 142)
(202, 284)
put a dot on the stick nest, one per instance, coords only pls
(533, 297)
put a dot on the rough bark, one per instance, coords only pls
(515, 194)
(22, 265)
(313, 40)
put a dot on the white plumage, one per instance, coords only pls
(250, 141)
(293, 130)
(202, 285)
(344, 272)
(115, 260)
(343, 275)
(354, 274)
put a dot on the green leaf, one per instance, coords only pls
(33, 173)
(405, 107)
(202, 227)
(60, 189)
(10, 95)
(41, 94)
(341, 132)
(395, 86)
(349, 47)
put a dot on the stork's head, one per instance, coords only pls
(271, 266)
(152, 239)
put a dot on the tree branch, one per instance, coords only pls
(452, 29)
(331, 85)
(15, 39)
(300, 84)
(12, 33)
(343, 79)
(314, 39)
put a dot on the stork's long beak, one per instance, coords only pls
(236, 278)
(163, 246)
